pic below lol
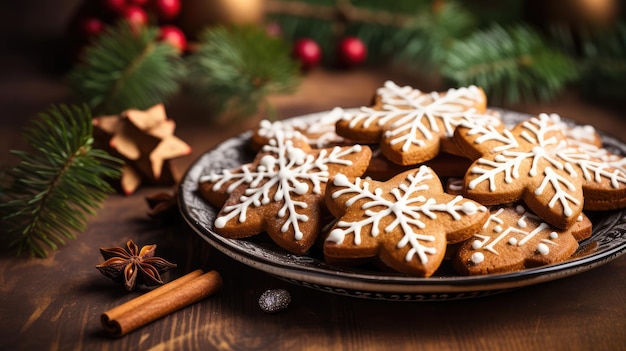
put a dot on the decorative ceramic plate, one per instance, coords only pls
(607, 242)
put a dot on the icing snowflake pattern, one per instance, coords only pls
(409, 120)
(290, 171)
(413, 206)
(282, 174)
(318, 132)
(513, 238)
(536, 154)
(560, 164)
(602, 171)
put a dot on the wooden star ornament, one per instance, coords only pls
(145, 140)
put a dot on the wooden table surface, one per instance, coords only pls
(55, 303)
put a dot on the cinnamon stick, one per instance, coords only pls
(161, 301)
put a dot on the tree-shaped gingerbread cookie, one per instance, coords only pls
(281, 192)
(406, 221)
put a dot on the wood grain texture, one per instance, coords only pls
(55, 303)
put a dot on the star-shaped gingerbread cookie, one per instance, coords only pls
(281, 192)
(406, 222)
(413, 126)
(514, 239)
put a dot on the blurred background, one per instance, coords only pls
(524, 53)
(455, 41)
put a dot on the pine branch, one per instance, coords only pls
(127, 68)
(326, 22)
(55, 187)
(511, 64)
(236, 69)
(344, 11)
(426, 39)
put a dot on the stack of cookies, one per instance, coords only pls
(420, 177)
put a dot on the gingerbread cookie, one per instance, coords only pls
(604, 172)
(281, 192)
(317, 132)
(514, 239)
(577, 135)
(409, 124)
(529, 163)
(406, 222)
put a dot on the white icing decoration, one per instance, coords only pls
(595, 163)
(522, 222)
(477, 257)
(268, 129)
(319, 132)
(322, 132)
(455, 185)
(410, 205)
(509, 156)
(411, 116)
(594, 169)
(554, 235)
(477, 244)
(286, 168)
(543, 249)
(514, 235)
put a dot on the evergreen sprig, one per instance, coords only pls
(511, 64)
(235, 69)
(426, 39)
(127, 67)
(55, 186)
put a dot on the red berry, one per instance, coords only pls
(136, 16)
(352, 51)
(174, 36)
(308, 52)
(92, 26)
(167, 9)
(116, 6)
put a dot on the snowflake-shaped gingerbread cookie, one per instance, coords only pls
(514, 239)
(281, 192)
(604, 172)
(407, 221)
(413, 126)
(534, 163)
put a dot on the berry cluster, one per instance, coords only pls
(351, 51)
(95, 15)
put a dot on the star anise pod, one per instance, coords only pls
(132, 266)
